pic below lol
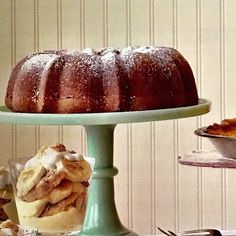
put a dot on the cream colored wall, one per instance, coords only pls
(151, 188)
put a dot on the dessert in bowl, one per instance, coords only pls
(222, 136)
(51, 189)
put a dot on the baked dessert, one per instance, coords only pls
(227, 127)
(7, 202)
(10, 228)
(108, 80)
(52, 190)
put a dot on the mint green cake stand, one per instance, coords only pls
(101, 217)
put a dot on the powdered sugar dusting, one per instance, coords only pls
(130, 56)
(109, 57)
(90, 66)
(88, 51)
(38, 61)
(72, 52)
(127, 50)
(127, 57)
(149, 49)
(111, 87)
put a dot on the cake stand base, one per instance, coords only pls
(124, 232)
(101, 215)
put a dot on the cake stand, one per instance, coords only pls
(206, 158)
(101, 216)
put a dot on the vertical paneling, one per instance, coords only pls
(24, 30)
(151, 188)
(188, 177)
(49, 29)
(116, 37)
(152, 130)
(6, 61)
(140, 136)
(198, 80)
(72, 38)
(74, 138)
(141, 178)
(163, 23)
(210, 46)
(116, 23)
(229, 29)
(230, 36)
(122, 183)
(48, 24)
(71, 27)
(139, 25)
(93, 23)
(5, 35)
(165, 160)
(165, 190)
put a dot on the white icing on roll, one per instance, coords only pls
(51, 158)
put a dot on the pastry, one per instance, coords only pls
(226, 128)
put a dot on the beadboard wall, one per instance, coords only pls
(151, 189)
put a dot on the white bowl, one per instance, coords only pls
(225, 145)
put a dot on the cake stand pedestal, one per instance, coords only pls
(101, 216)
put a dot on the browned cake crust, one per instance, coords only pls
(129, 79)
(226, 128)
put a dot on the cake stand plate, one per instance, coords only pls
(101, 216)
(206, 158)
(105, 118)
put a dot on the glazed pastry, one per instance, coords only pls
(226, 128)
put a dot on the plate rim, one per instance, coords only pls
(7, 116)
(201, 132)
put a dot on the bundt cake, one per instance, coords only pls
(128, 79)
